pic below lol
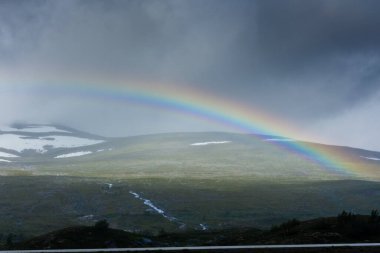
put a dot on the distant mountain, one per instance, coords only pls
(164, 155)
(43, 141)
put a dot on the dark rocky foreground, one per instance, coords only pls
(345, 228)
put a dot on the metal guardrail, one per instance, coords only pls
(201, 248)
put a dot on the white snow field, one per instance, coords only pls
(371, 158)
(20, 142)
(208, 143)
(80, 153)
(3, 154)
(3, 160)
(278, 139)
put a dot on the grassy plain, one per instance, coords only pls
(248, 182)
(34, 205)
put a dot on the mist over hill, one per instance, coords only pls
(59, 149)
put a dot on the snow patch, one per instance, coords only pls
(149, 203)
(20, 143)
(3, 160)
(3, 154)
(86, 217)
(278, 139)
(80, 153)
(101, 150)
(208, 143)
(203, 227)
(371, 158)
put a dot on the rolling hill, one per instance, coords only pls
(54, 177)
(52, 150)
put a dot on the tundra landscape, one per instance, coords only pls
(139, 123)
(168, 182)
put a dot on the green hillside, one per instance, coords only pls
(173, 156)
(162, 182)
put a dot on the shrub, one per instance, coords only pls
(287, 227)
(101, 225)
(346, 217)
(374, 218)
(322, 225)
(290, 224)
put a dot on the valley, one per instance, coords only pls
(36, 204)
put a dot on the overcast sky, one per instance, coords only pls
(315, 64)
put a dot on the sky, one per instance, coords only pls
(313, 64)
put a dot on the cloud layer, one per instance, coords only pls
(312, 63)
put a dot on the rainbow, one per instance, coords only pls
(236, 116)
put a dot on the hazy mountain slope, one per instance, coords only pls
(196, 155)
(170, 181)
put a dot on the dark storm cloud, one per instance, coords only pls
(303, 60)
(328, 49)
(20, 26)
(296, 32)
(297, 35)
